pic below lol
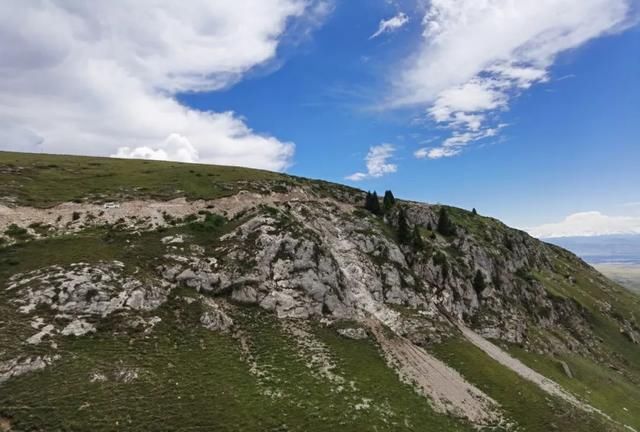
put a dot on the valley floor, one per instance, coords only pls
(627, 275)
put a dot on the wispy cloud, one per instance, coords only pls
(390, 25)
(591, 223)
(377, 161)
(456, 142)
(475, 56)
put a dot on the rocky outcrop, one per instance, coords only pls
(301, 256)
(16, 367)
(214, 317)
(353, 333)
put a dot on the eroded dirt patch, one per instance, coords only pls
(447, 390)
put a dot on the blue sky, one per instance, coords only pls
(572, 144)
(542, 100)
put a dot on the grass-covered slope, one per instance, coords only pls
(246, 307)
(46, 180)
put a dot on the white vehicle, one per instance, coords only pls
(111, 205)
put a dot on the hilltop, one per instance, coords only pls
(143, 295)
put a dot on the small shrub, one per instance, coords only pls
(525, 274)
(190, 218)
(439, 258)
(17, 232)
(75, 216)
(211, 223)
(418, 243)
(508, 243)
(479, 283)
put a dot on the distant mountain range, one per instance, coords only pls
(602, 249)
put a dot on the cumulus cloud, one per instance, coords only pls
(377, 161)
(101, 77)
(390, 25)
(476, 55)
(592, 223)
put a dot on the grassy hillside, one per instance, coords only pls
(270, 374)
(46, 180)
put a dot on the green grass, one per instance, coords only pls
(189, 379)
(534, 410)
(601, 386)
(46, 180)
(593, 291)
(193, 379)
(361, 362)
(140, 253)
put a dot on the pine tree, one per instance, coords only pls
(474, 212)
(404, 234)
(429, 226)
(388, 201)
(375, 204)
(479, 283)
(371, 203)
(445, 226)
(367, 201)
(418, 244)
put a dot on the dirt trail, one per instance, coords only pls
(448, 391)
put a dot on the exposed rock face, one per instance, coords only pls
(84, 289)
(214, 318)
(302, 256)
(628, 331)
(17, 367)
(303, 260)
(78, 327)
(353, 333)
(80, 295)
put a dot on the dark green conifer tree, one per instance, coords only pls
(445, 226)
(404, 233)
(388, 201)
(418, 243)
(375, 204)
(367, 201)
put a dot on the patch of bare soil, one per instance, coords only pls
(5, 425)
(141, 214)
(448, 391)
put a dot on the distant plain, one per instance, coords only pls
(626, 274)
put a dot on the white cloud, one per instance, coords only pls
(101, 77)
(454, 145)
(590, 223)
(390, 25)
(476, 55)
(377, 163)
